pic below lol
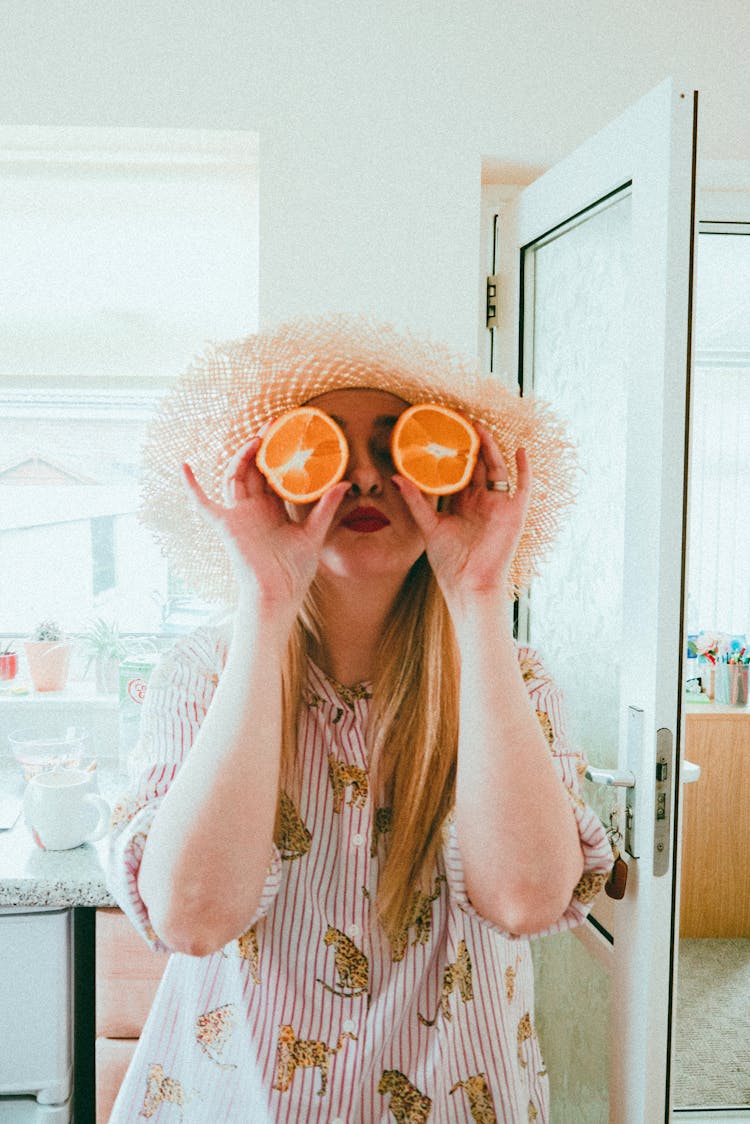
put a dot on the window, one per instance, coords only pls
(719, 530)
(124, 251)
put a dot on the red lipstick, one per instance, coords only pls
(365, 519)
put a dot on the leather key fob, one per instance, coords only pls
(615, 885)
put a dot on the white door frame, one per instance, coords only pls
(650, 145)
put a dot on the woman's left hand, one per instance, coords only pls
(471, 545)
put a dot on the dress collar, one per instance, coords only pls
(322, 687)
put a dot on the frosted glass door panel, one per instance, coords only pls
(578, 355)
(575, 285)
(573, 995)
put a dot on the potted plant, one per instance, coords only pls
(48, 656)
(8, 662)
(105, 650)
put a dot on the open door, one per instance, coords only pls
(603, 246)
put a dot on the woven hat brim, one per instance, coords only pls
(234, 388)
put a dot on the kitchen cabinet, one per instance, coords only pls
(715, 887)
(48, 905)
(127, 976)
(27, 1110)
(36, 1016)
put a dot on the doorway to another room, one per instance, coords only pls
(711, 1072)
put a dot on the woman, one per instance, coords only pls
(369, 821)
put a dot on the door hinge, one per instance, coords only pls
(493, 300)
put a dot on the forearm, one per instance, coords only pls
(207, 853)
(515, 826)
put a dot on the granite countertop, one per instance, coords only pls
(32, 878)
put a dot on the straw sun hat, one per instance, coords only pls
(228, 393)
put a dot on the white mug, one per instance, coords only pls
(62, 811)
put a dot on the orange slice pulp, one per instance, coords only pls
(303, 453)
(435, 447)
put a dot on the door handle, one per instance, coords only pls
(690, 772)
(625, 778)
(619, 778)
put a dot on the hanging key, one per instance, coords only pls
(615, 885)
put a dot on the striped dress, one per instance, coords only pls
(311, 1014)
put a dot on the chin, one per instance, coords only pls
(364, 562)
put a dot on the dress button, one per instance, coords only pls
(353, 931)
(349, 1026)
(338, 1120)
(358, 839)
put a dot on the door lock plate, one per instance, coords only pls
(662, 801)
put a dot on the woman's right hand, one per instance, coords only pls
(273, 556)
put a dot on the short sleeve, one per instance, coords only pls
(179, 694)
(570, 763)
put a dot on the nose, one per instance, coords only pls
(362, 470)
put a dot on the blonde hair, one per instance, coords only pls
(412, 733)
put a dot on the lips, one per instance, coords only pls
(365, 520)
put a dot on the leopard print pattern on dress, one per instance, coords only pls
(480, 1099)
(125, 809)
(526, 1033)
(352, 968)
(532, 667)
(407, 1104)
(160, 1090)
(588, 886)
(299, 1053)
(419, 918)
(341, 776)
(247, 947)
(575, 798)
(292, 837)
(214, 1029)
(456, 975)
(546, 723)
(510, 979)
(382, 823)
(350, 695)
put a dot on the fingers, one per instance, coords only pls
(241, 477)
(491, 465)
(422, 511)
(523, 470)
(322, 513)
(199, 497)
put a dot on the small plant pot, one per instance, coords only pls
(49, 662)
(8, 665)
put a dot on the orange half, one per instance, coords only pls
(436, 448)
(303, 453)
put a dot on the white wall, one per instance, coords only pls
(31, 589)
(373, 116)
